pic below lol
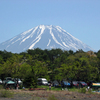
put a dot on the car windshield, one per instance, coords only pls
(83, 82)
(19, 80)
(44, 80)
(9, 79)
(65, 81)
(55, 82)
(74, 82)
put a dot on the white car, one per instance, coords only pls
(19, 81)
(0, 81)
(42, 81)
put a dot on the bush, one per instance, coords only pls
(36, 98)
(52, 97)
(20, 86)
(6, 93)
(82, 90)
(90, 91)
(1, 87)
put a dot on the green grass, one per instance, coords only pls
(73, 89)
(58, 88)
(6, 93)
(82, 90)
(52, 97)
(52, 88)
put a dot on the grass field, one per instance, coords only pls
(56, 93)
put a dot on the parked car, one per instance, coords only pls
(75, 83)
(17, 79)
(6, 80)
(42, 81)
(96, 84)
(65, 84)
(93, 84)
(82, 84)
(0, 81)
(55, 83)
(90, 83)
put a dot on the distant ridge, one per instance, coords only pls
(44, 37)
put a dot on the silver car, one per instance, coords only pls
(0, 81)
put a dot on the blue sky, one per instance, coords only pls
(81, 18)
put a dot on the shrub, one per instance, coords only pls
(90, 91)
(1, 87)
(20, 86)
(6, 93)
(52, 97)
(36, 98)
(83, 90)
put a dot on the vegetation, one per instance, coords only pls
(52, 97)
(6, 93)
(54, 64)
(82, 90)
(52, 88)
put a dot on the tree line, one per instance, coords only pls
(54, 64)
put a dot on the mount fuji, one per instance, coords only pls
(44, 37)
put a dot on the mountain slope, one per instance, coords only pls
(43, 37)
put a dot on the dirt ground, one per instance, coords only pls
(50, 95)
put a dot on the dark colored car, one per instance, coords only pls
(6, 80)
(82, 84)
(65, 84)
(17, 80)
(75, 83)
(55, 83)
(90, 83)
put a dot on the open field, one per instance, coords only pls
(50, 95)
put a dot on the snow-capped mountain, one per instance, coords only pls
(44, 37)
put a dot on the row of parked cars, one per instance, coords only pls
(43, 81)
(64, 83)
(69, 84)
(10, 80)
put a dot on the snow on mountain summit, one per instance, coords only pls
(43, 37)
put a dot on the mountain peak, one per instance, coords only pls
(44, 37)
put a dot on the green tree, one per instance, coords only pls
(12, 66)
